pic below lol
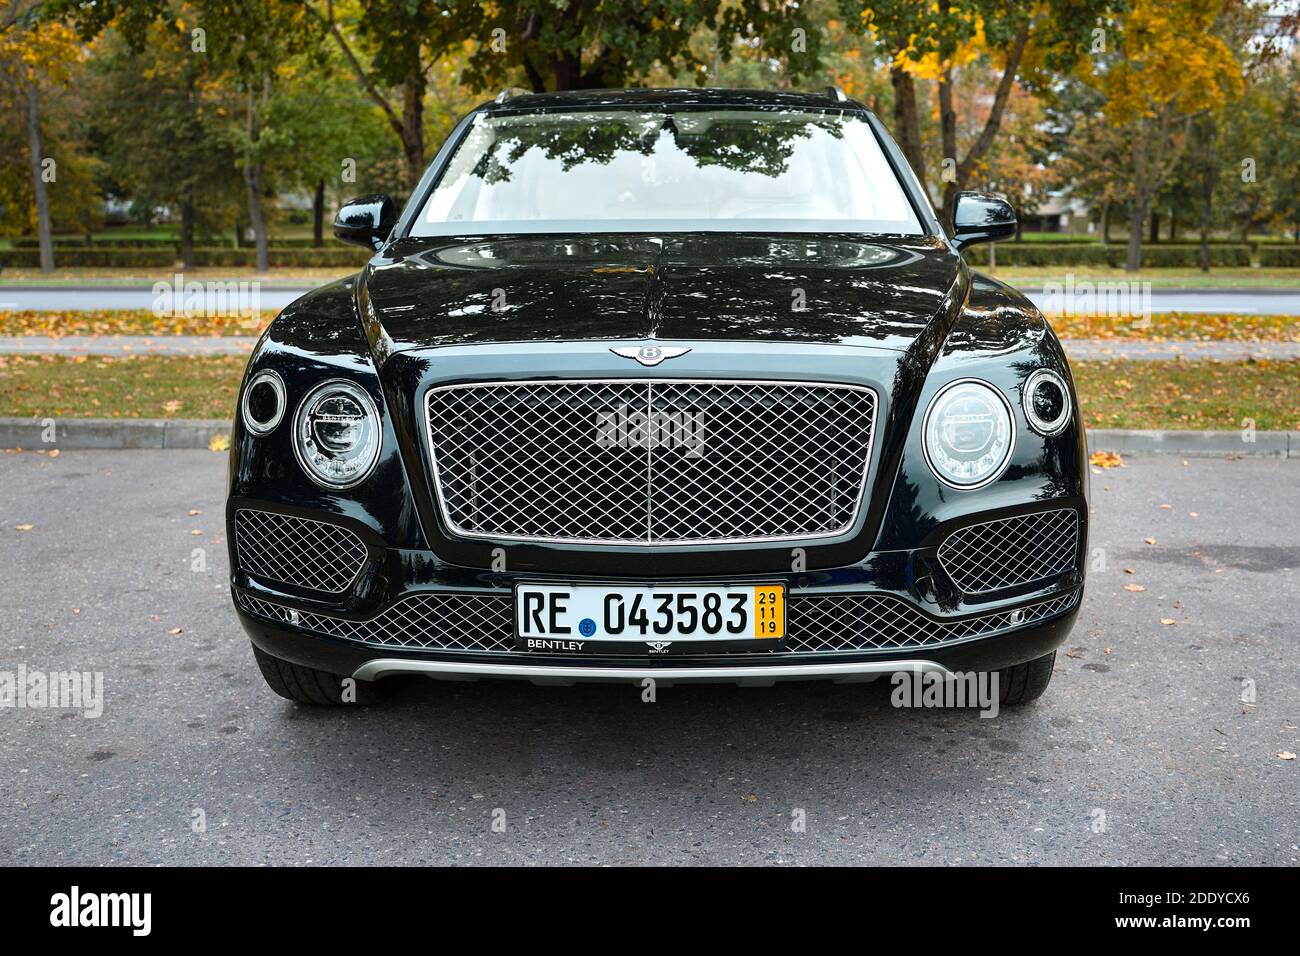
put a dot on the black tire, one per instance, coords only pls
(306, 685)
(1025, 682)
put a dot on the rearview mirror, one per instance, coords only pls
(977, 217)
(366, 221)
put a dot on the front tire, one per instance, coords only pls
(1025, 682)
(306, 685)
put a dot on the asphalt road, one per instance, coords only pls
(1142, 752)
(1082, 300)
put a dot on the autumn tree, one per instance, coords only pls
(1018, 41)
(35, 56)
(1165, 67)
(391, 45)
(157, 125)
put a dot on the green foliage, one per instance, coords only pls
(591, 44)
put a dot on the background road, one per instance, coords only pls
(277, 296)
(1143, 730)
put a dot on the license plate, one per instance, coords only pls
(598, 619)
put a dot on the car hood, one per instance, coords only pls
(423, 293)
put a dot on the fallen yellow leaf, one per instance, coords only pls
(219, 443)
(1286, 755)
(1134, 587)
(23, 527)
(1167, 620)
(1106, 459)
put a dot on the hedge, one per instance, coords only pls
(1286, 257)
(1164, 255)
(344, 256)
(155, 242)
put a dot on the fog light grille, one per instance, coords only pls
(297, 551)
(1011, 551)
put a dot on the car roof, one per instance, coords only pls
(705, 96)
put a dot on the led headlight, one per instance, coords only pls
(969, 434)
(336, 434)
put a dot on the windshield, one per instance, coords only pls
(668, 171)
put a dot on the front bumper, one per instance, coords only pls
(343, 656)
(409, 612)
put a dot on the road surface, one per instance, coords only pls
(1142, 751)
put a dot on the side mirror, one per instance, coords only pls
(980, 218)
(366, 221)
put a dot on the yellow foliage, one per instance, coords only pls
(1169, 55)
(43, 50)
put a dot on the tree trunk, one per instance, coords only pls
(1155, 227)
(948, 131)
(1105, 223)
(907, 128)
(318, 215)
(966, 166)
(253, 180)
(1141, 205)
(254, 166)
(187, 229)
(44, 229)
(413, 128)
(1207, 208)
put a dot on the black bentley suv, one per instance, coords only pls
(689, 385)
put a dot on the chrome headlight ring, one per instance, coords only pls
(264, 386)
(1046, 400)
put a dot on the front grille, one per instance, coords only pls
(1011, 551)
(686, 462)
(297, 551)
(485, 622)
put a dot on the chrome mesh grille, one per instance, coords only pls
(1011, 551)
(867, 622)
(485, 622)
(620, 461)
(297, 551)
(456, 622)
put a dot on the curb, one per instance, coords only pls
(1191, 444)
(112, 433)
(183, 433)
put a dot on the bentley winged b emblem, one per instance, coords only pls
(649, 354)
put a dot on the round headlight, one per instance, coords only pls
(262, 406)
(1046, 399)
(968, 434)
(336, 434)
